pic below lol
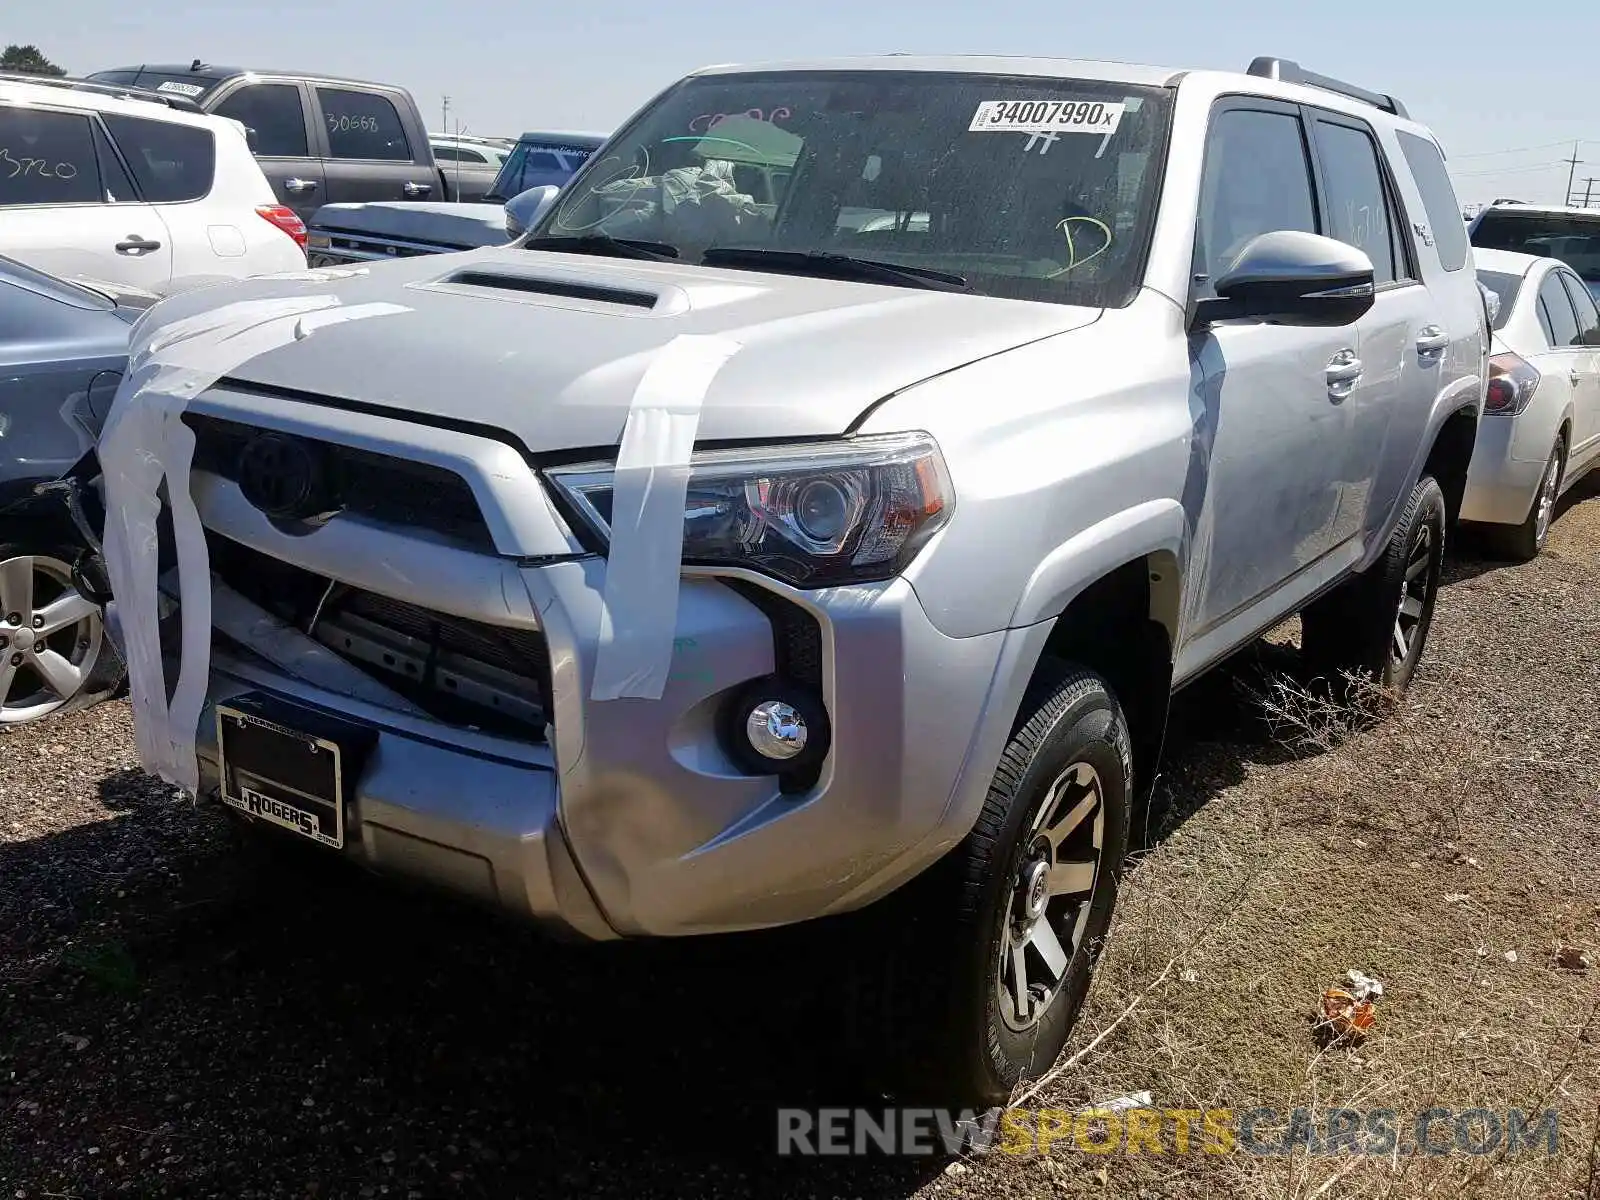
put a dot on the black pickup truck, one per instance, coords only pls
(319, 139)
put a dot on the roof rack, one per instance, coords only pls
(121, 91)
(1292, 72)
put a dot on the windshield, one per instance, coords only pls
(535, 164)
(1040, 189)
(1571, 237)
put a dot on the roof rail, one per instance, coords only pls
(121, 91)
(1292, 72)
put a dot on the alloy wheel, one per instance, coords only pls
(1048, 905)
(50, 637)
(1547, 499)
(1413, 596)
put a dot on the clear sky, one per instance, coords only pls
(1515, 76)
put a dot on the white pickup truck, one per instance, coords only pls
(353, 233)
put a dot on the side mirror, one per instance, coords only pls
(1291, 278)
(526, 209)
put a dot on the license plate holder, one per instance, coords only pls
(289, 767)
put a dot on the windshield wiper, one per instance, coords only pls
(844, 266)
(605, 244)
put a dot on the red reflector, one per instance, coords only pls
(285, 219)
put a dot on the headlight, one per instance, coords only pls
(816, 516)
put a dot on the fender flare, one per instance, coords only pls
(1155, 527)
(1462, 394)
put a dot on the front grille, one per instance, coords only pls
(465, 673)
(384, 489)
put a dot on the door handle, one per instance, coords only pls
(1432, 340)
(135, 245)
(1343, 372)
(1575, 377)
(299, 185)
(417, 189)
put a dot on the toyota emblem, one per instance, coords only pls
(284, 477)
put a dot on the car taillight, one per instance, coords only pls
(285, 219)
(1512, 382)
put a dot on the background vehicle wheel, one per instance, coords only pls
(53, 648)
(1012, 920)
(1376, 625)
(1524, 542)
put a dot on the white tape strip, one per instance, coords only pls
(145, 442)
(639, 613)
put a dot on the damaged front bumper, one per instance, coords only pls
(463, 633)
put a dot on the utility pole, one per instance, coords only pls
(444, 123)
(1588, 189)
(1572, 171)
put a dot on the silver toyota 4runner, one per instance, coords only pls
(1045, 386)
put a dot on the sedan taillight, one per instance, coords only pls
(285, 219)
(1512, 382)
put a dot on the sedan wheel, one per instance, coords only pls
(50, 637)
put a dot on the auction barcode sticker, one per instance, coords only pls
(1046, 116)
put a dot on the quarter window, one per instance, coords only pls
(1556, 307)
(274, 115)
(1358, 204)
(47, 158)
(1448, 231)
(362, 125)
(1257, 180)
(171, 163)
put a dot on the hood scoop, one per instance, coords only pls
(506, 283)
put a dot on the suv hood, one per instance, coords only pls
(549, 347)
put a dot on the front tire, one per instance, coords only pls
(54, 653)
(1015, 915)
(1374, 627)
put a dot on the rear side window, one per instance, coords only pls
(1358, 203)
(1505, 286)
(363, 125)
(274, 115)
(114, 180)
(1588, 314)
(171, 163)
(1257, 180)
(47, 158)
(1438, 198)
(1555, 307)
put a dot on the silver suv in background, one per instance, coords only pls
(1039, 388)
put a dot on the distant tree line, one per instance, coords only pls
(28, 60)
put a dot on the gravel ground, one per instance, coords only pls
(177, 1020)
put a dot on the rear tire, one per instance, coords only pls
(1522, 543)
(982, 965)
(1374, 626)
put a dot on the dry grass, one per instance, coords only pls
(1421, 849)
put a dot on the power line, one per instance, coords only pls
(1550, 166)
(1514, 150)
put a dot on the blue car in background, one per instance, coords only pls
(63, 348)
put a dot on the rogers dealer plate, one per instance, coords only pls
(288, 778)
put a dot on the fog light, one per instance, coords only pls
(776, 730)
